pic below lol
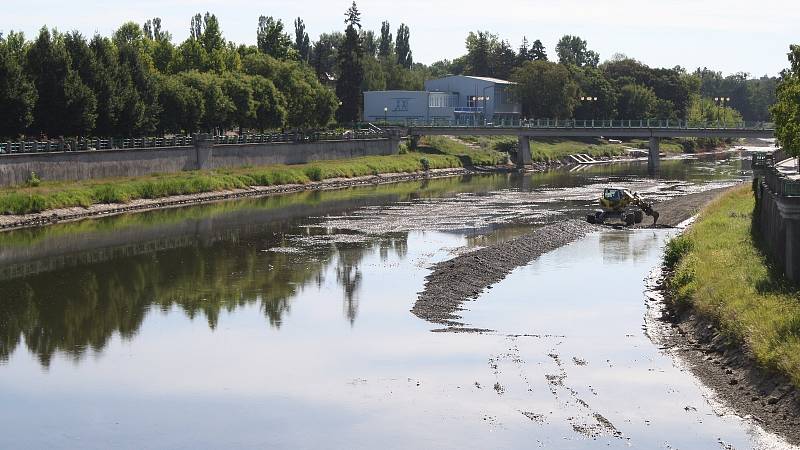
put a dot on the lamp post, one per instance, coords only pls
(720, 102)
(591, 101)
(385, 112)
(485, 99)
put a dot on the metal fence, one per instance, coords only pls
(88, 144)
(572, 123)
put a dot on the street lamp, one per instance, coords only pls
(720, 102)
(385, 112)
(591, 101)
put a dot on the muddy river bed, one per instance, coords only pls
(285, 322)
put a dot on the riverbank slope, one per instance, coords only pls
(732, 318)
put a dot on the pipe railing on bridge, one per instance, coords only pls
(589, 124)
(84, 144)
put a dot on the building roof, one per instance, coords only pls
(487, 79)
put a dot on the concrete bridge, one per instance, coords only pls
(654, 130)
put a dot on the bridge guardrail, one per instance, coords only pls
(588, 124)
(87, 144)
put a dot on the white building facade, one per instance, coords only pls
(457, 99)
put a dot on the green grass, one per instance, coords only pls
(52, 195)
(721, 274)
(483, 156)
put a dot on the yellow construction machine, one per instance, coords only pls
(624, 205)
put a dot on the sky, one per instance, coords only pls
(726, 35)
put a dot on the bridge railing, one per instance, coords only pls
(587, 124)
(85, 144)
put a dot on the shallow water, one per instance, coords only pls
(284, 322)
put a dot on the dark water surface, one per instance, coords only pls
(284, 322)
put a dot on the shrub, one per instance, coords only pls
(33, 180)
(314, 173)
(426, 165)
(676, 249)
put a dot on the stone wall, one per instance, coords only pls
(16, 169)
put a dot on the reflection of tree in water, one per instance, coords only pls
(623, 245)
(81, 308)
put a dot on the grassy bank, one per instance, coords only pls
(543, 150)
(721, 274)
(434, 154)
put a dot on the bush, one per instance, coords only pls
(426, 165)
(314, 173)
(676, 249)
(33, 180)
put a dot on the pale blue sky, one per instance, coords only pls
(726, 35)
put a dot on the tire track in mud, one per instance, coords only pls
(464, 277)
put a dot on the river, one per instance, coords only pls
(284, 322)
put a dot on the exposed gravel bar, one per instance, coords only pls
(464, 277)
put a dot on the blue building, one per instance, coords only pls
(453, 99)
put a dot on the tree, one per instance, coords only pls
(270, 110)
(324, 55)
(537, 51)
(572, 50)
(545, 89)
(182, 106)
(271, 38)
(593, 84)
(348, 86)
(64, 106)
(368, 43)
(385, 45)
(477, 58)
(17, 93)
(403, 47)
(636, 102)
(786, 111)
(301, 41)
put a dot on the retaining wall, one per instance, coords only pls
(15, 169)
(777, 221)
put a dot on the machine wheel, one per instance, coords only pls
(639, 216)
(590, 218)
(630, 219)
(599, 217)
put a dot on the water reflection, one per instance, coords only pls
(70, 288)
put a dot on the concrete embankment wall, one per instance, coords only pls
(15, 169)
(777, 221)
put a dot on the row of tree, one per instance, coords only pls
(787, 108)
(139, 82)
(618, 88)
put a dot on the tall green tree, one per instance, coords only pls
(545, 89)
(385, 45)
(402, 47)
(537, 51)
(637, 102)
(350, 55)
(17, 93)
(301, 41)
(65, 105)
(786, 111)
(271, 38)
(572, 50)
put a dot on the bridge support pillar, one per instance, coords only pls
(524, 152)
(413, 142)
(653, 158)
